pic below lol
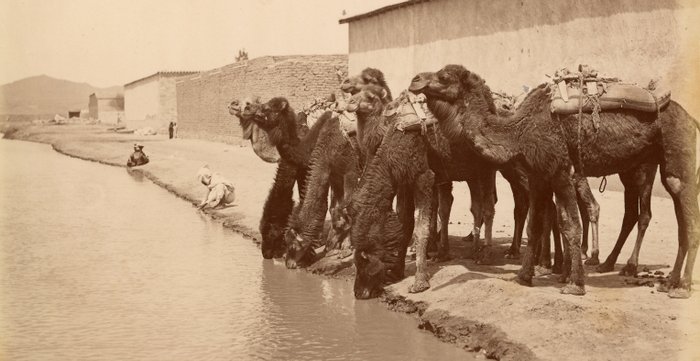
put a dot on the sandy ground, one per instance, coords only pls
(475, 306)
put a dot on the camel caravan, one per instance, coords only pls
(387, 164)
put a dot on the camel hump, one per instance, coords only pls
(587, 92)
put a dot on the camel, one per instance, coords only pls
(547, 143)
(334, 164)
(380, 236)
(280, 122)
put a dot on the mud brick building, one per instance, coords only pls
(106, 108)
(202, 99)
(151, 101)
(512, 44)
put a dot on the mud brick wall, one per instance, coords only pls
(202, 99)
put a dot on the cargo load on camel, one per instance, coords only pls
(584, 91)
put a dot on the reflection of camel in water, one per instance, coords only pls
(462, 103)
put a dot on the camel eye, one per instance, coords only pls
(443, 78)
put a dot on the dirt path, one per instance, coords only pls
(476, 306)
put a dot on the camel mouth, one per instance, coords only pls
(234, 108)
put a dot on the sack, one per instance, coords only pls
(597, 94)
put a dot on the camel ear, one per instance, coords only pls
(364, 255)
(283, 106)
(384, 93)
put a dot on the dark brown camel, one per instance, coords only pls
(335, 165)
(280, 122)
(379, 237)
(548, 142)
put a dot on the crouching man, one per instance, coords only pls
(221, 191)
(138, 157)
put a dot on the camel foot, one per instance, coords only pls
(573, 289)
(679, 292)
(542, 271)
(593, 261)
(606, 267)
(511, 254)
(629, 270)
(522, 281)
(468, 238)
(418, 286)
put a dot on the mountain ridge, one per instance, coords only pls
(43, 95)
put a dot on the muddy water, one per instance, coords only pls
(98, 264)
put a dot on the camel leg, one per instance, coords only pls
(488, 189)
(540, 196)
(590, 211)
(405, 211)
(433, 233)
(519, 187)
(444, 203)
(628, 221)
(687, 213)
(349, 185)
(678, 131)
(558, 266)
(568, 217)
(643, 222)
(476, 208)
(423, 192)
(544, 251)
(641, 182)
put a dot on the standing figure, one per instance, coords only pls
(171, 129)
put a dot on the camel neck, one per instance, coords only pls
(490, 136)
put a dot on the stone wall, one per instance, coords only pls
(202, 99)
(512, 44)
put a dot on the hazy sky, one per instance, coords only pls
(112, 42)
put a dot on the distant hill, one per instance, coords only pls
(46, 95)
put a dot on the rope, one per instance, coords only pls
(603, 184)
(580, 120)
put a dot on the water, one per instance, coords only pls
(97, 264)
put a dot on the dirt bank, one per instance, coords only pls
(476, 306)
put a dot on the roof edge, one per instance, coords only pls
(182, 73)
(380, 11)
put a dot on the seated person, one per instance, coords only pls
(221, 191)
(138, 157)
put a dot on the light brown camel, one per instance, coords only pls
(548, 142)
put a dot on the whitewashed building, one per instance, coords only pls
(152, 101)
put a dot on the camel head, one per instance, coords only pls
(367, 101)
(297, 254)
(454, 84)
(354, 85)
(369, 275)
(244, 110)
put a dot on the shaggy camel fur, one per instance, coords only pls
(278, 119)
(548, 142)
(380, 238)
(334, 164)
